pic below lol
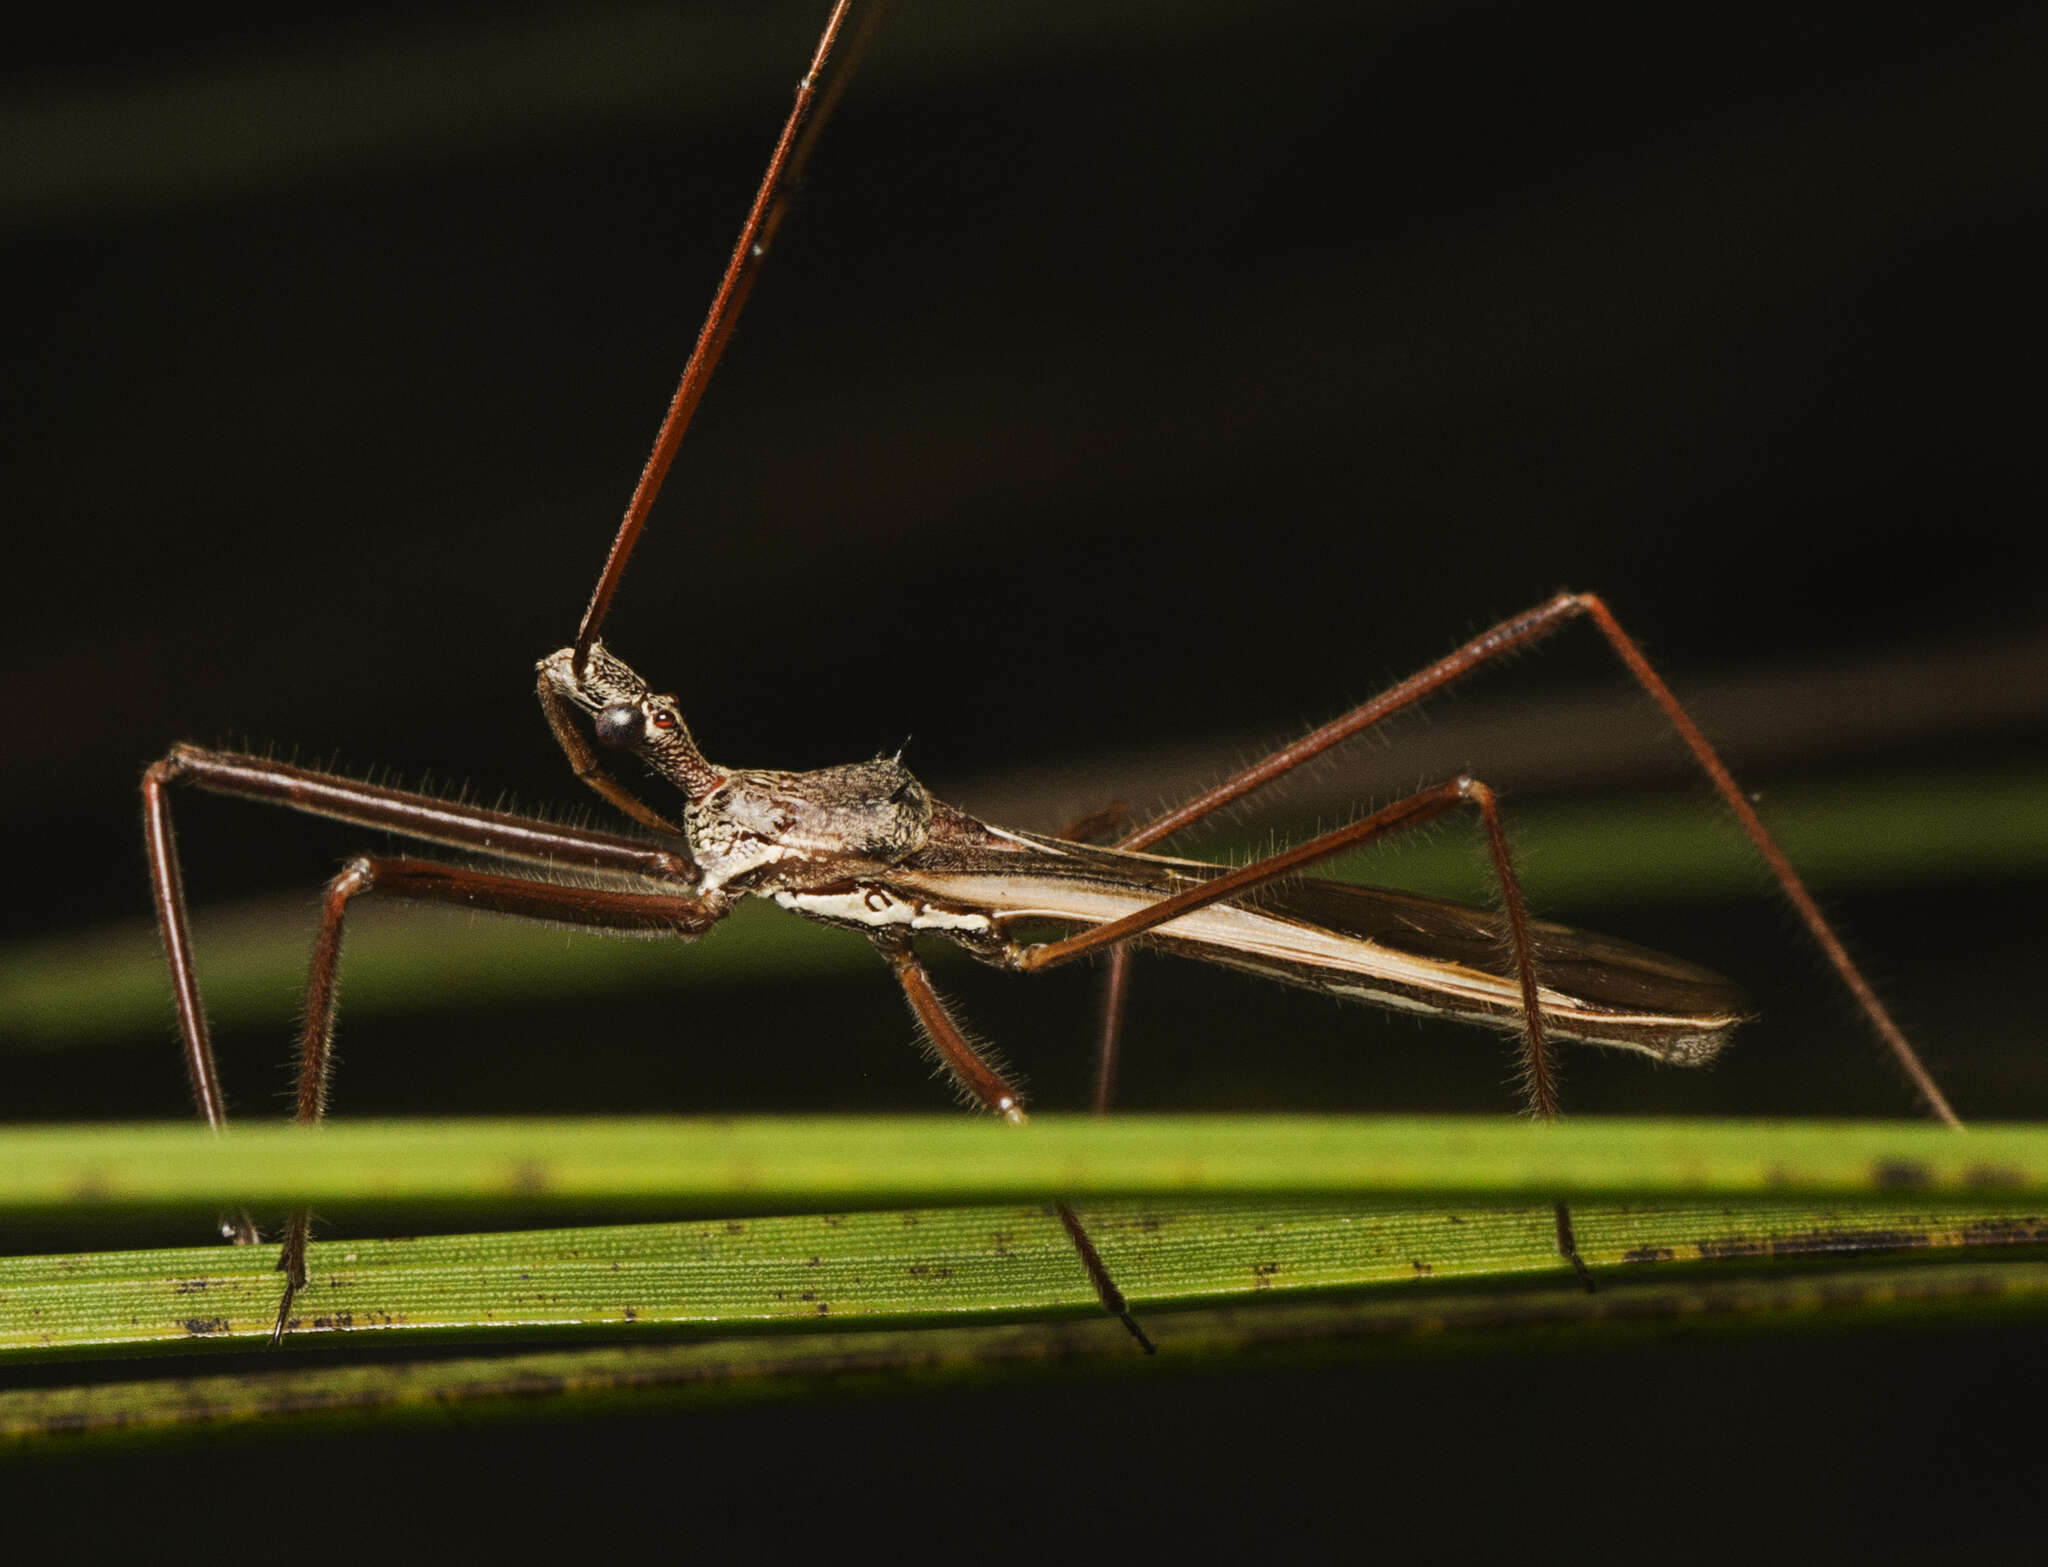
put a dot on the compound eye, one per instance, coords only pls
(618, 726)
(662, 718)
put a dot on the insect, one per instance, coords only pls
(867, 848)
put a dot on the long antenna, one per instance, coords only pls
(756, 235)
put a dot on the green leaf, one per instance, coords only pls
(925, 1267)
(786, 1162)
(1327, 1279)
(1231, 1238)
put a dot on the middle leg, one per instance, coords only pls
(987, 1086)
(1539, 1077)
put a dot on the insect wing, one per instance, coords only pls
(1391, 949)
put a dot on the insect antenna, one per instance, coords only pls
(771, 202)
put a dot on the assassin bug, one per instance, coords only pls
(867, 848)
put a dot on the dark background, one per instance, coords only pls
(1131, 379)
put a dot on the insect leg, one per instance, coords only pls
(1106, 825)
(1539, 1079)
(583, 761)
(1116, 992)
(989, 1088)
(498, 833)
(1520, 631)
(980, 1081)
(595, 908)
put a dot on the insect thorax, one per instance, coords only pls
(765, 831)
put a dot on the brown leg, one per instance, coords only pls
(1107, 825)
(499, 834)
(344, 799)
(167, 882)
(599, 908)
(994, 1093)
(429, 881)
(1518, 632)
(1116, 990)
(976, 1078)
(583, 761)
(1538, 1077)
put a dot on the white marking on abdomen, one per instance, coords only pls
(875, 908)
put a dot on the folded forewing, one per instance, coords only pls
(1389, 948)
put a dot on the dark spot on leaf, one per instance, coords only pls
(529, 1176)
(1894, 1239)
(191, 1286)
(199, 1327)
(632, 1315)
(1990, 1177)
(1901, 1175)
(1729, 1248)
(1263, 1274)
(1648, 1254)
(1421, 1267)
(2014, 1231)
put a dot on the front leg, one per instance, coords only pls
(499, 834)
